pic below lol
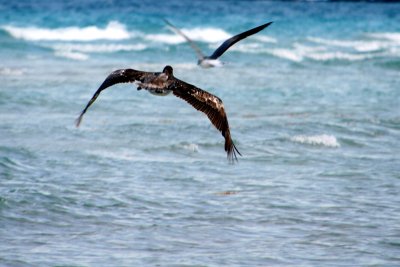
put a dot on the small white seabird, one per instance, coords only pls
(213, 61)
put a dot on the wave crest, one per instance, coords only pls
(368, 46)
(207, 35)
(322, 140)
(113, 31)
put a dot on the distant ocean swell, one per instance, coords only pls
(79, 42)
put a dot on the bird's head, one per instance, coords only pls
(168, 70)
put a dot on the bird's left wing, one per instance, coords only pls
(210, 105)
(118, 76)
(233, 40)
(199, 54)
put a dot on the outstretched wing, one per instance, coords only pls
(200, 54)
(118, 76)
(212, 106)
(233, 40)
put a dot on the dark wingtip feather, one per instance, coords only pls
(232, 157)
(231, 149)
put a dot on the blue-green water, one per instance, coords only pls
(313, 105)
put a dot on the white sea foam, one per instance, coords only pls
(368, 46)
(284, 53)
(80, 51)
(113, 31)
(165, 38)
(265, 39)
(11, 72)
(98, 48)
(357, 45)
(321, 140)
(301, 52)
(72, 55)
(338, 56)
(297, 53)
(208, 35)
(391, 36)
(191, 147)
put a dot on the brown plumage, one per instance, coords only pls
(163, 83)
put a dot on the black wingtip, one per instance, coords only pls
(269, 23)
(232, 157)
(231, 150)
(262, 27)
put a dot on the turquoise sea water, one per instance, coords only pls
(313, 105)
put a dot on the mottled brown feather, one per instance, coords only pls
(210, 105)
(118, 76)
(201, 100)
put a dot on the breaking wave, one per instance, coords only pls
(391, 36)
(98, 48)
(71, 55)
(300, 52)
(357, 45)
(368, 46)
(80, 51)
(113, 31)
(208, 35)
(78, 42)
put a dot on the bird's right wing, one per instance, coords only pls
(200, 54)
(118, 76)
(210, 105)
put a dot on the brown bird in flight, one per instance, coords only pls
(163, 83)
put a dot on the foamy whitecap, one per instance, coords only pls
(392, 36)
(208, 35)
(322, 140)
(265, 39)
(297, 53)
(72, 55)
(191, 147)
(113, 31)
(320, 49)
(165, 38)
(289, 54)
(338, 56)
(211, 35)
(360, 46)
(11, 72)
(98, 48)
(301, 52)
(79, 51)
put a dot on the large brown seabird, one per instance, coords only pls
(163, 83)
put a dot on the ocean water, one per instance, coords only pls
(313, 105)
